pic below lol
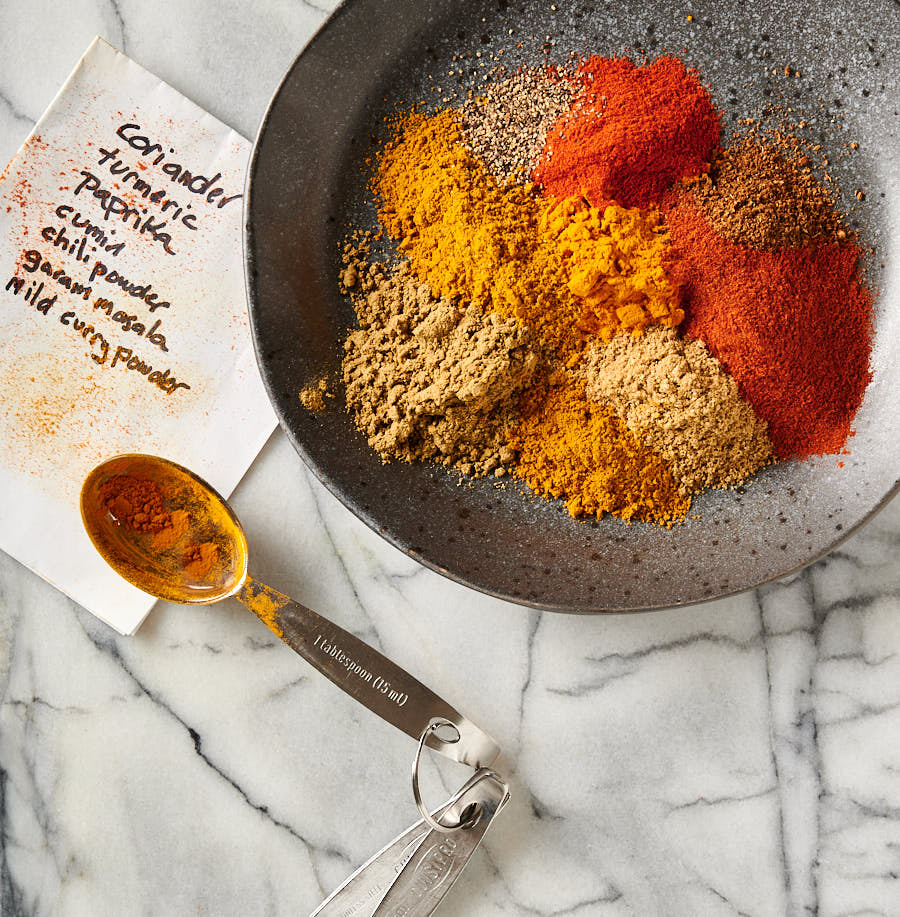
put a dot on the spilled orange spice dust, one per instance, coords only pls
(264, 602)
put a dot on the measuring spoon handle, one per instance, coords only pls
(366, 675)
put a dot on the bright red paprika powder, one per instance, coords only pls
(793, 327)
(632, 132)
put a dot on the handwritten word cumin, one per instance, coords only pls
(90, 232)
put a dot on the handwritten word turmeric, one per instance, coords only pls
(127, 175)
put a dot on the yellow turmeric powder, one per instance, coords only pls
(467, 238)
(576, 449)
(614, 263)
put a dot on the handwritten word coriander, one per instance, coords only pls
(176, 172)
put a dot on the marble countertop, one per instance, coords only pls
(741, 757)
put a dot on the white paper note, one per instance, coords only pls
(124, 320)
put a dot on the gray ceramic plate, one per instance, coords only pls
(307, 179)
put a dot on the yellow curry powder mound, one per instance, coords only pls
(579, 450)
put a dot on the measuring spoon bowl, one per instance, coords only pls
(154, 561)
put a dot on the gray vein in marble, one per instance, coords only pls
(121, 41)
(868, 912)
(17, 115)
(8, 627)
(679, 643)
(870, 811)
(255, 644)
(110, 648)
(620, 662)
(533, 624)
(26, 705)
(10, 895)
(325, 10)
(862, 710)
(614, 896)
(287, 687)
(40, 810)
(801, 738)
(541, 811)
(703, 801)
(370, 635)
(857, 656)
(725, 900)
(523, 909)
(858, 601)
(779, 787)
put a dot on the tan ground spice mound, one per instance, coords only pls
(430, 379)
(312, 397)
(758, 195)
(678, 400)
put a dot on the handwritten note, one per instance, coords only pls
(123, 313)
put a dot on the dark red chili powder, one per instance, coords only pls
(793, 327)
(632, 132)
(136, 503)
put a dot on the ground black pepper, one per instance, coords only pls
(507, 126)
